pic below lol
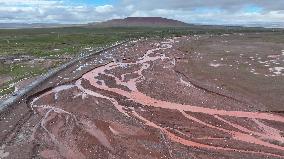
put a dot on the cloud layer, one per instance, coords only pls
(191, 11)
(52, 11)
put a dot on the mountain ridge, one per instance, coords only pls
(141, 21)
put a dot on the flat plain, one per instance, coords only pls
(175, 93)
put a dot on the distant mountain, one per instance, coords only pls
(266, 25)
(141, 21)
(33, 25)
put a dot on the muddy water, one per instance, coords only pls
(265, 136)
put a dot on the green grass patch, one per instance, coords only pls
(19, 72)
(56, 42)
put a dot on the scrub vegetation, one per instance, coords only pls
(25, 53)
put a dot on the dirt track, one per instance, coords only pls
(138, 103)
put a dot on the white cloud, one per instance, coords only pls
(64, 11)
(104, 9)
(52, 11)
(129, 7)
(23, 3)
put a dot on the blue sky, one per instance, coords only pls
(191, 11)
(252, 9)
(95, 2)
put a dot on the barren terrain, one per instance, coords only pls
(152, 99)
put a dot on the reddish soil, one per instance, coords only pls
(139, 105)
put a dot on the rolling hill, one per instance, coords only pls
(141, 22)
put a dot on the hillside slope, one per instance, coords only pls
(141, 21)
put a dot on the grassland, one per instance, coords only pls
(58, 45)
(42, 42)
